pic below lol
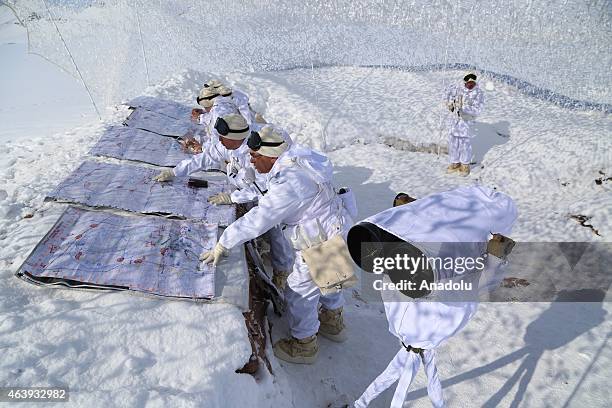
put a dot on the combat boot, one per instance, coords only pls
(464, 170)
(453, 167)
(297, 351)
(332, 324)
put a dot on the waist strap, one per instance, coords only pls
(418, 351)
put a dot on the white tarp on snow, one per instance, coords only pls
(161, 124)
(145, 254)
(132, 188)
(128, 143)
(165, 107)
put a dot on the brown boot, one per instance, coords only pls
(453, 167)
(279, 279)
(464, 170)
(332, 325)
(297, 351)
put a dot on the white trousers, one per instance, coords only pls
(404, 368)
(303, 297)
(281, 252)
(459, 149)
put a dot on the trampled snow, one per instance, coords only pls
(121, 350)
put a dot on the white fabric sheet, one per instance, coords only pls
(464, 215)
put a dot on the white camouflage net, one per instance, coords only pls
(122, 46)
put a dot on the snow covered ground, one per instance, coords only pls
(122, 350)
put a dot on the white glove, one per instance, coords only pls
(248, 175)
(215, 255)
(220, 199)
(165, 175)
(450, 106)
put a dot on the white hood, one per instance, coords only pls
(318, 166)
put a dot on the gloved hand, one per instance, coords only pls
(451, 106)
(165, 175)
(220, 199)
(215, 255)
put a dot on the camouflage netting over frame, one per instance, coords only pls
(121, 46)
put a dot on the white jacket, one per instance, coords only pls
(469, 103)
(300, 198)
(234, 162)
(241, 100)
(204, 119)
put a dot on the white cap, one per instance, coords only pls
(224, 91)
(270, 134)
(470, 73)
(206, 96)
(213, 83)
(238, 125)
